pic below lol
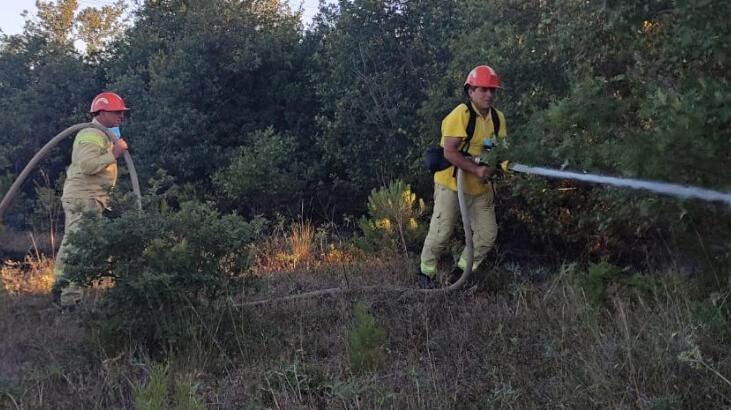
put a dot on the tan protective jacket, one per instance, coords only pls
(93, 168)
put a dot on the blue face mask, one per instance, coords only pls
(116, 132)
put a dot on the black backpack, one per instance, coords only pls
(434, 156)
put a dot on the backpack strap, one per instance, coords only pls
(470, 129)
(495, 121)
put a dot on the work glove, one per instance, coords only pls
(503, 166)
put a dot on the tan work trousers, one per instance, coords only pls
(481, 210)
(74, 210)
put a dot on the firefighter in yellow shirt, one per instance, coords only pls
(92, 172)
(480, 87)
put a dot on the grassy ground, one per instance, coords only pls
(517, 338)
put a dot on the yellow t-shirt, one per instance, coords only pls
(455, 125)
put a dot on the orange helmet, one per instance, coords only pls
(107, 101)
(482, 76)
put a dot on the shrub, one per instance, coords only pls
(393, 218)
(164, 265)
(265, 175)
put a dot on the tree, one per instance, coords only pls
(57, 18)
(64, 24)
(97, 26)
(378, 62)
(204, 77)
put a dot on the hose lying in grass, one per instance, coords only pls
(41, 154)
(404, 291)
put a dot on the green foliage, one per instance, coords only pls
(267, 175)
(712, 314)
(47, 210)
(154, 393)
(367, 341)
(603, 280)
(377, 62)
(98, 26)
(164, 264)
(621, 89)
(393, 218)
(185, 395)
(57, 18)
(235, 101)
(44, 88)
(596, 281)
(202, 76)
(62, 22)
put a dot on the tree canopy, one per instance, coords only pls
(245, 106)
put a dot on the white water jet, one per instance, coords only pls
(680, 191)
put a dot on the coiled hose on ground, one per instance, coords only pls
(43, 152)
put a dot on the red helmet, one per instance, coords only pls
(107, 101)
(483, 76)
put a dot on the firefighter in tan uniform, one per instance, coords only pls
(92, 172)
(480, 87)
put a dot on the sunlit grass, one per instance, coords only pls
(298, 245)
(301, 242)
(34, 275)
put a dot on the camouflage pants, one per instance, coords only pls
(481, 210)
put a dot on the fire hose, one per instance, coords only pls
(662, 188)
(404, 291)
(676, 190)
(41, 154)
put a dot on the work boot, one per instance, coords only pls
(425, 282)
(455, 275)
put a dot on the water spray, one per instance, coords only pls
(680, 191)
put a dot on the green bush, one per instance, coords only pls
(166, 266)
(266, 175)
(393, 218)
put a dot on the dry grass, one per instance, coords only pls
(299, 246)
(509, 342)
(32, 276)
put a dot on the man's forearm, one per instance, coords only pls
(462, 162)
